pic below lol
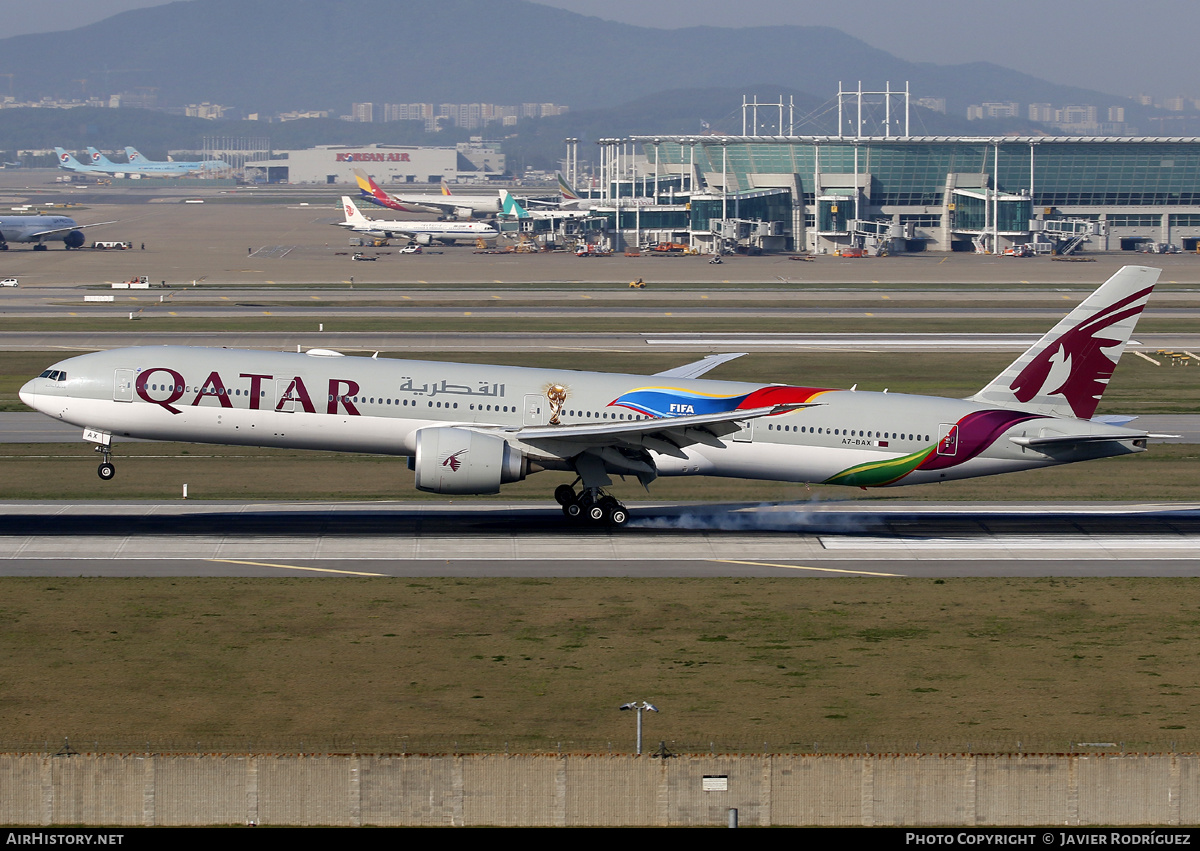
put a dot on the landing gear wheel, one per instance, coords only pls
(618, 516)
(564, 495)
(41, 246)
(595, 513)
(573, 510)
(614, 512)
(106, 471)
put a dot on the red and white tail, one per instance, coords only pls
(1066, 372)
(353, 216)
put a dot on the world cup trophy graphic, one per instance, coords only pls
(557, 394)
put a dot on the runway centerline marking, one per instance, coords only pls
(804, 567)
(294, 567)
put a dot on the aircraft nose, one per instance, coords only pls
(26, 393)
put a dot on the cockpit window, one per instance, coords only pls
(54, 375)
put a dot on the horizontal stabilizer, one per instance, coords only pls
(1114, 419)
(1059, 439)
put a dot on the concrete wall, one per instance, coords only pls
(911, 790)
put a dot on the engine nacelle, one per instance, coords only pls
(423, 239)
(457, 460)
(73, 239)
(464, 213)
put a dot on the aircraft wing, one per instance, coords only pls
(69, 228)
(698, 368)
(666, 435)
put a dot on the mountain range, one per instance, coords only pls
(276, 55)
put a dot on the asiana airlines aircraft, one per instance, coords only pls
(470, 429)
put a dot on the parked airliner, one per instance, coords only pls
(41, 229)
(420, 232)
(444, 204)
(469, 429)
(138, 160)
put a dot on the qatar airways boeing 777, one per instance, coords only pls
(469, 429)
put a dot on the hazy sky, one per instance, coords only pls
(1112, 45)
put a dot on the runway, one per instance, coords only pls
(479, 538)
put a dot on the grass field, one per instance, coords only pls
(481, 664)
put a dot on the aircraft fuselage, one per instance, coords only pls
(310, 401)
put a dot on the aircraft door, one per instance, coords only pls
(947, 439)
(123, 385)
(535, 405)
(746, 434)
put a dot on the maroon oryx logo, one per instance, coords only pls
(1075, 366)
(453, 461)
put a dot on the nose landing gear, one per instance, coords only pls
(106, 470)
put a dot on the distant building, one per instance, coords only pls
(387, 164)
(1011, 109)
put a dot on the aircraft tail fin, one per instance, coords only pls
(1065, 373)
(369, 188)
(446, 189)
(353, 215)
(510, 207)
(133, 154)
(98, 158)
(65, 160)
(565, 192)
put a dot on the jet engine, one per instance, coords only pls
(423, 239)
(460, 461)
(74, 239)
(464, 213)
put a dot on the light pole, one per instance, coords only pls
(639, 709)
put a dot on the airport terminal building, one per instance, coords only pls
(917, 193)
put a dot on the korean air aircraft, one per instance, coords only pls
(147, 169)
(137, 160)
(470, 429)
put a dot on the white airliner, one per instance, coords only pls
(469, 429)
(40, 229)
(138, 160)
(510, 208)
(445, 204)
(421, 232)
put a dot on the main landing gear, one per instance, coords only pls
(592, 505)
(106, 470)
